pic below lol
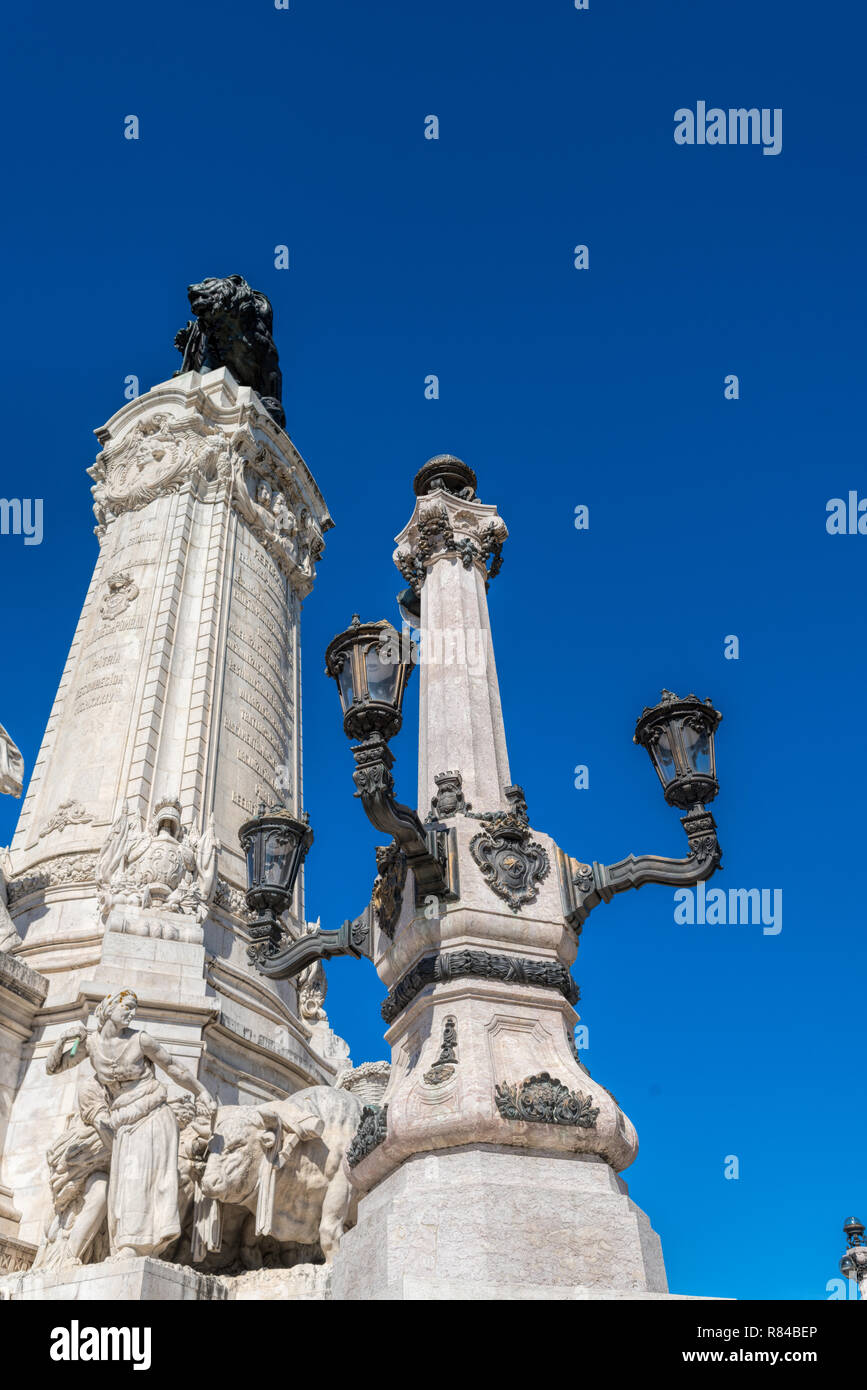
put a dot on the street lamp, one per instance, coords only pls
(679, 736)
(371, 667)
(854, 1263)
(275, 843)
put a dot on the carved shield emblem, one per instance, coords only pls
(513, 863)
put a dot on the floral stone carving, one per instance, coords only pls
(67, 813)
(543, 1099)
(372, 1129)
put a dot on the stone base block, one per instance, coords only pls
(486, 1222)
(139, 1279)
(303, 1283)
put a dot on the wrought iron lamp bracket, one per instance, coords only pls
(583, 886)
(283, 961)
(430, 850)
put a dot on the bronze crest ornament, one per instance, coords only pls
(510, 860)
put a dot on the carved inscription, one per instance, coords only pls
(257, 729)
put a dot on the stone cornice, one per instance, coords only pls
(19, 979)
(210, 435)
(443, 526)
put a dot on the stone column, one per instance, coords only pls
(178, 711)
(492, 1167)
(448, 552)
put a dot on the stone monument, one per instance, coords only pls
(178, 711)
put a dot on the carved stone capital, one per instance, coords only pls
(445, 525)
(210, 436)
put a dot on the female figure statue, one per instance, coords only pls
(136, 1121)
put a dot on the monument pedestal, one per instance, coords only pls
(490, 1221)
(140, 1279)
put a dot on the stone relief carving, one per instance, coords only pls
(312, 986)
(156, 456)
(162, 865)
(543, 1099)
(294, 541)
(256, 1186)
(388, 886)
(67, 813)
(15, 1257)
(372, 1129)
(449, 799)
(11, 766)
(234, 900)
(133, 1118)
(445, 1064)
(162, 453)
(510, 860)
(54, 873)
(122, 592)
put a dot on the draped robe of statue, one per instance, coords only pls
(143, 1181)
(143, 1215)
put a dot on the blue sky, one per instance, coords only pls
(560, 387)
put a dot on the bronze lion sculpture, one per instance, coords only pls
(233, 329)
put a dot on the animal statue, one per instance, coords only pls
(233, 329)
(284, 1163)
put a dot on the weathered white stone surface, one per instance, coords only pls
(140, 1279)
(22, 994)
(515, 1223)
(306, 1283)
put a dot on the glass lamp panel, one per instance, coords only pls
(664, 757)
(344, 683)
(382, 677)
(277, 852)
(696, 746)
(252, 877)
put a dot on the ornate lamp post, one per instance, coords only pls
(276, 844)
(853, 1265)
(473, 924)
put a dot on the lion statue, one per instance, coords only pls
(233, 329)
